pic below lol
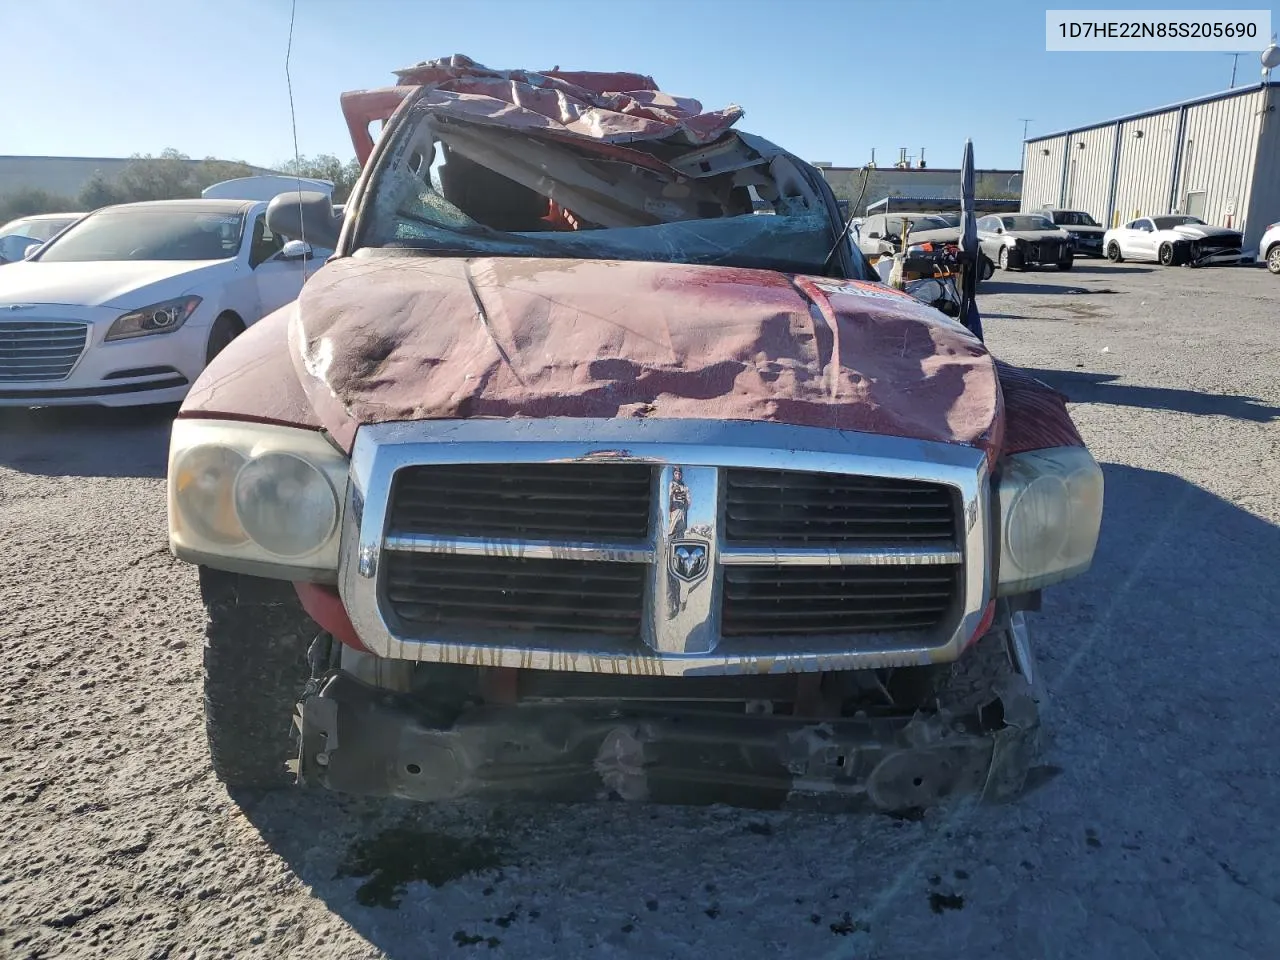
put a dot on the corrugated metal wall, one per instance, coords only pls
(1042, 176)
(1219, 150)
(1145, 169)
(1227, 154)
(1088, 186)
(1264, 201)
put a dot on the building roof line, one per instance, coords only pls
(1138, 115)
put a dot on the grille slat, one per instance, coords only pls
(785, 508)
(37, 350)
(456, 593)
(589, 502)
(761, 600)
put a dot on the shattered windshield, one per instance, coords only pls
(454, 188)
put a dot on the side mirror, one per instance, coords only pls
(999, 229)
(295, 250)
(32, 250)
(308, 213)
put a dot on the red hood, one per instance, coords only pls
(383, 338)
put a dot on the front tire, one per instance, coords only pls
(255, 671)
(225, 329)
(1067, 261)
(1167, 256)
(1004, 258)
(1113, 252)
(1273, 258)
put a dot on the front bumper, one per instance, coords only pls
(1039, 254)
(359, 739)
(146, 370)
(1210, 258)
(1087, 246)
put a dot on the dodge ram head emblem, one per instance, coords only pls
(689, 559)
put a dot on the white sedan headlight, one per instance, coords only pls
(1050, 511)
(256, 498)
(163, 317)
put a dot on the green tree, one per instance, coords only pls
(97, 192)
(28, 201)
(166, 177)
(326, 166)
(211, 170)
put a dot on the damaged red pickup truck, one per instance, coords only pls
(596, 463)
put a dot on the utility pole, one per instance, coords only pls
(1023, 152)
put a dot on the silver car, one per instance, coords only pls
(1016, 241)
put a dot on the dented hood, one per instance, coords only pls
(389, 337)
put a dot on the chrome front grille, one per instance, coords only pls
(821, 601)
(523, 501)
(786, 507)
(433, 593)
(39, 350)
(712, 548)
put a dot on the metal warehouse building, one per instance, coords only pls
(1215, 157)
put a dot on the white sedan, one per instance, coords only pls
(129, 305)
(1269, 248)
(17, 236)
(1173, 240)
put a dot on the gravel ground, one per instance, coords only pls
(1156, 840)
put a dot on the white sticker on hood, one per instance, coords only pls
(873, 290)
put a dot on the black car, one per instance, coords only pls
(1086, 232)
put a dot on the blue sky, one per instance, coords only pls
(828, 80)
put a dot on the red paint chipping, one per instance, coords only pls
(324, 606)
(988, 617)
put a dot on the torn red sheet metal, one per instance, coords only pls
(451, 338)
(613, 108)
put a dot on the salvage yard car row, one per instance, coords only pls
(1055, 237)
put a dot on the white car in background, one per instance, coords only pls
(1173, 240)
(128, 306)
(1269, 248)
(17, 236)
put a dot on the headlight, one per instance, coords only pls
(163, 317)
(256, 498)
(1050, 507)
(286, 505)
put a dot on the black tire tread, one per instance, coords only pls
(255, 671)
(226, 320)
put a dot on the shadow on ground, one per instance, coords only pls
(1177, 567)
(994, 287)
(1107, 268)
(1083, 387)
(87, 441)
